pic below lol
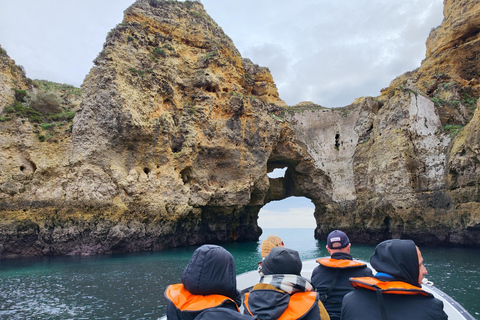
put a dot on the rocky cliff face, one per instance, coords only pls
(11, 76)
(170, 145)
(175, 134)
(405, 164)
(410, 156)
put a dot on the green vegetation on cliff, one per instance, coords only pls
(47, 106)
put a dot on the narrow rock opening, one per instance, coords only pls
(337, 141)
(177, 143)
(277, 173)
(293, 212)
(211, 89)
(22, 168)
(186, 175)
(146, 170)
(386, 221)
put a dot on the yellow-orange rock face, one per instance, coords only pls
(176, 132)
(11, 77)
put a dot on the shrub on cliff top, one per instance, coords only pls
(59, 87)
(44, 101)
(42, 107)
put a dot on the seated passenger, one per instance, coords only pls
(267, 245)
(331, 277)
(208, 281)
(282, 293)
(395, 292)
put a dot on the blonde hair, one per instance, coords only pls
(268, 244)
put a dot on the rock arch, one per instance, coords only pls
(302, 178)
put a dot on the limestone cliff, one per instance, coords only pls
(171, 145)
(407, 161)
(11, 77)
(175, 132)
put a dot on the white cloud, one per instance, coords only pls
(57, 40)
(293, 212)
(328, 52)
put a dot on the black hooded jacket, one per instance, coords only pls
(323, 276)
(282, 292)
(222, 314)
(399, 260)
(211, 270)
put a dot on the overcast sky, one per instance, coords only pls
(324, 51)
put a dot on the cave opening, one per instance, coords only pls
(290, 205)
(337, 141)
(277, 173)
(289, 213)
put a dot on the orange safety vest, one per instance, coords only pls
(342, 263)
(300, 304)
(185, 301)
(390, 287)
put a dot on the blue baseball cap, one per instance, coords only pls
(337, 240)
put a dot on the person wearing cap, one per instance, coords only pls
(282, 291)
(331, 277)
(208, 281)
(395, 292)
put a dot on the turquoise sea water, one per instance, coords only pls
(131, 286)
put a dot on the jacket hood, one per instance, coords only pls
(397, 258)
(211, 270)
(282, 260)
(268, 304)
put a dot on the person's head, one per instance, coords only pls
(281, 260)
(422, 271)
(269, 243)
(400, 259)
(211, 270)
(337, 241)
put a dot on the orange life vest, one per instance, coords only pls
(185, 301)
(390, 287)
(342, 263)
(300, 304)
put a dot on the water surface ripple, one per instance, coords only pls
(131, 286)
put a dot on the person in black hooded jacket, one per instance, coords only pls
(395, 292)
(282, 292)
(208, 281)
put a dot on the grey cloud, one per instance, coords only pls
(329, 52)
(275, 57)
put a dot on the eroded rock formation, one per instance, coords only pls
(11, 77)
(176, 132)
